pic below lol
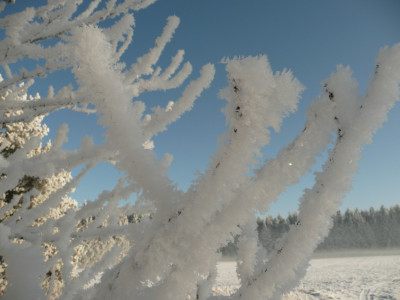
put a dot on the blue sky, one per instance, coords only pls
(308, 37)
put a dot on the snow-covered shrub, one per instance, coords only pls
(29, 191)
(173, 254)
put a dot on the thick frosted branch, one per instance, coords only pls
(238, 211)
(35, 108)
(124, 46)
(10, 105)
(175, 63)
(149, 175)
(250, 94)
(25, 31)
(92, 6)
(95, 17)
(247, 251)
(321, 202)
(144, 64)
(161, 118)
(157, 83)
(121, 32)
(38, 72)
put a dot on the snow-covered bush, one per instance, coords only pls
(29, 191)
(173, 254)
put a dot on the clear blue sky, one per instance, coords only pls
(308, 37)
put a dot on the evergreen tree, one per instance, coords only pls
(358, 229)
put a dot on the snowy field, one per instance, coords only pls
(369, 276)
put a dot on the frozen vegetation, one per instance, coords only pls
(174, 253)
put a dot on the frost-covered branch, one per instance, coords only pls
(145, 63)
(162, 117)
(321, 202)
(245, 137)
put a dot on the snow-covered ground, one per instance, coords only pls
(351, 277)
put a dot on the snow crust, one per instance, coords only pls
(354, 277)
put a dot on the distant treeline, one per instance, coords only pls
(353, 229)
